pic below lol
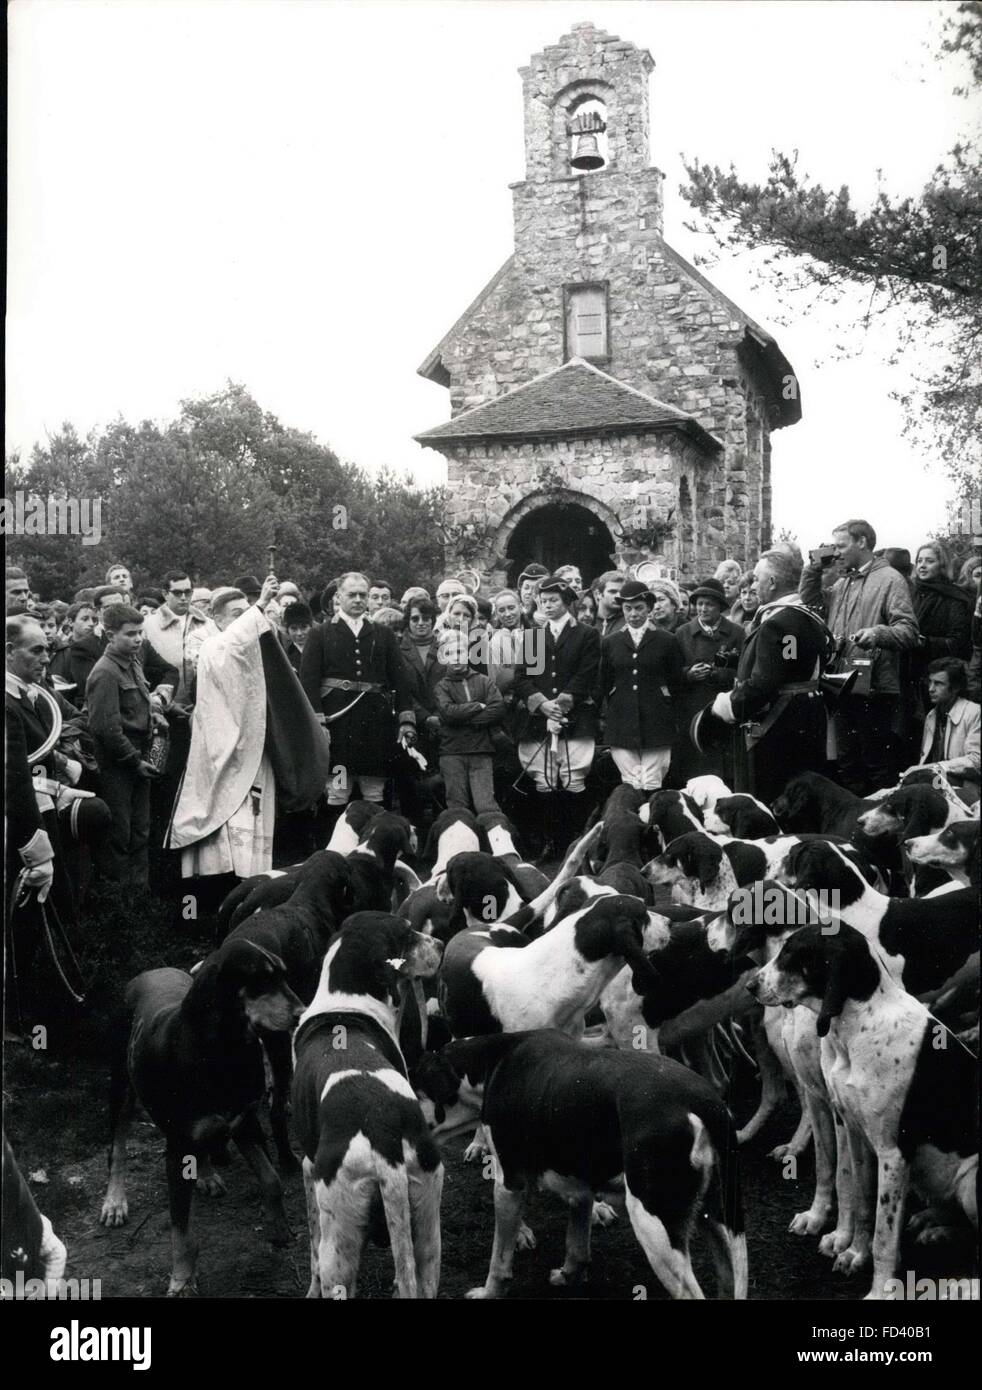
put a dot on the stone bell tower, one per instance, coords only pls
(609, 405)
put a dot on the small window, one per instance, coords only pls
(586, 321)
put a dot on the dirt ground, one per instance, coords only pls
(55, 1117)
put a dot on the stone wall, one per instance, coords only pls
(671, 334)
(633, 483)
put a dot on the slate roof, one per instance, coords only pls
(574, 399)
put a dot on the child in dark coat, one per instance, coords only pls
(470, 706)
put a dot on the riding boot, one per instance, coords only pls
(549, 826)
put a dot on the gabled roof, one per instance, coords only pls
(761, 343)
(776, 365)
(573, 399)
(432, 367)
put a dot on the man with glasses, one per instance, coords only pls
(174, 634)
(176, 631)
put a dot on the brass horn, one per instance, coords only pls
(42, 751)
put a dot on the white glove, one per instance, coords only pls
(723, 708)
(41, 878)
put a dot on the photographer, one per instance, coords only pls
(711, 647)
(870, 613)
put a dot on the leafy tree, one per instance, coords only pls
(212, 490)
(919, 259)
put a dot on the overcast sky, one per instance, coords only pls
(303, 195)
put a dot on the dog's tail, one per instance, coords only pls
(393, 1181)
(716, 1152)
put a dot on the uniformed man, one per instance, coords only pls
(356, 678)
(777, 697)
(557, 686)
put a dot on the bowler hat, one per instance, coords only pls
(710, 588)
(555, 585)
(249, 585)
(633, 590)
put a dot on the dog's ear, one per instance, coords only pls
(836, 991)
(248, 955)
(701, 861)
(628, 942)
(850, 973)
(476, 1058)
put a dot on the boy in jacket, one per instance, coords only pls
(120, 722)
(470, 706)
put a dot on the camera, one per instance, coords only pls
(823, 555)
(727, 660)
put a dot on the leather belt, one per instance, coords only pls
(754, 730)
(360, 687)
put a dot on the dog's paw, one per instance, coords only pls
(808, 1223)
(938, 1234)
(115, 1212)
(603, 1214)
(834, 1242)
(525, 1240)
(211, 1185)
(789, 1150)
(183, 1288)
(475, 1151)
(851, 1260)
(477, 1293)
(565, 1278)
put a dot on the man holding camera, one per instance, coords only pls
(872, 618)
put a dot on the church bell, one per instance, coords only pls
(586, 154)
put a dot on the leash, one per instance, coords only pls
(22, 892)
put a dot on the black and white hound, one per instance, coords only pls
(364, 1139)
(929, 938)
(954, 849)
(670, 814)
(742, 816)
(903, 1086)
(489, 986)
(501, 840)
(584, 1123)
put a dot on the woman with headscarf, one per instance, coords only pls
(667, 605)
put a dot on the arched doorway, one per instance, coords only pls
(560, 533)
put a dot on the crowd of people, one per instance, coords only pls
(182, 730)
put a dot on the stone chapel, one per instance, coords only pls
(608, 404)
